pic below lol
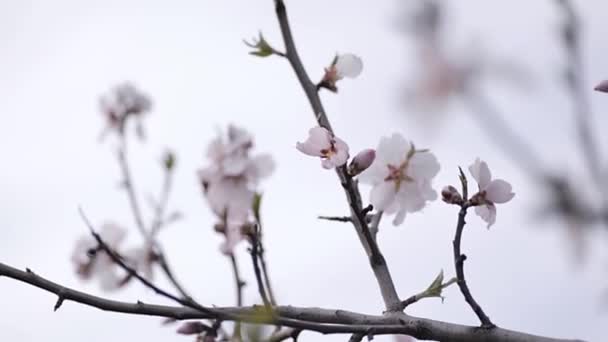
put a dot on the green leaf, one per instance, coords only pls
(256, 205)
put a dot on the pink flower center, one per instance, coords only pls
(328, 152)
(398, 174)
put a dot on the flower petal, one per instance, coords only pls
(499, 191)
(319, 139)
(480, 171)
(340, 157)
(423, 165)
(382, 195)
(400, 217)
(487, 213)
(348, 65)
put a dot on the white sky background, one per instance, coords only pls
(56, 57)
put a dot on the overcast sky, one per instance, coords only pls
(57, 57)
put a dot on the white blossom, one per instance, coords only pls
(122, 101)
(231, 178)
(348, 65)
(91, 263)
(490, 191)
(401, 177)
(332, 150)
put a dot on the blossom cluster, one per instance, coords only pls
(230, 182)
(121, 103)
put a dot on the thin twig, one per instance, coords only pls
(336, 218)
(130, 189)
(256, 268)
(265, 274)
(459, 259)
(239, 284)
(377, 261)
(426, 294)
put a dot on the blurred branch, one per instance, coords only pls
(130, 188)
(256, 268)
(574, 81)
(503, 135)
(239, 284)
(238, 281)
(377, 261)
(334, 321)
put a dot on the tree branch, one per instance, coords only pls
(459, 264)
(377, 261)
(334, 321)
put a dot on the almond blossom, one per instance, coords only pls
(490, 191)
(123, 101)
(322, 143)
(92, 263)
(230, 180)
(401, 177)
(346, 65)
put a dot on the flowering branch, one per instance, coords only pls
(334, 321)
(377, 261)
(459, 258)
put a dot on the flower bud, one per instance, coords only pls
(346, 65)
(361, 162)
(450, 195)
(191, 328)
(169, 160)
(602, 87)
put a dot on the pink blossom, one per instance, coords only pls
(122, 101)
(490, 191)
(233, 233)
(401, 177)
(231, 179)
(142, 259)
(91, 263)
(322, 143)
